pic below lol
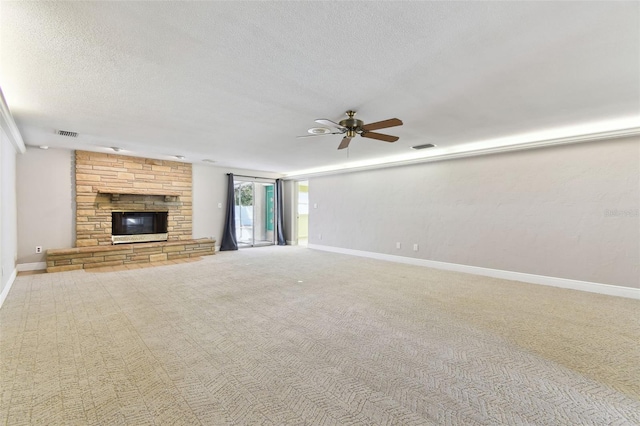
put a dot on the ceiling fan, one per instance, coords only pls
(351, 127)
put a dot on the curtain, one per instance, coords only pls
(229, 241)
(280, 213)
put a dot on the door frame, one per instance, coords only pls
(239, 181)
(296, 207)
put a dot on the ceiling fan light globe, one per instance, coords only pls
(319, 131)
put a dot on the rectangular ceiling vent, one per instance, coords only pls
(427, 145)
(67, 133)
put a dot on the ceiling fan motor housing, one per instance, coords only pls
(353, 125)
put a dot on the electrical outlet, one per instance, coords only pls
(415, 247)
(38, 249)
(315, 205)
(319, 236)
(398, 245)
(219, 205)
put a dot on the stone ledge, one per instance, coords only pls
(117, 247)
(139, 191)
(59, 260)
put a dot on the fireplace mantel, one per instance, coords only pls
(116, 192)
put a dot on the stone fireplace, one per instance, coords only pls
(107, 184)
(119, 199)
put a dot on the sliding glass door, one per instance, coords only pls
(255, 213)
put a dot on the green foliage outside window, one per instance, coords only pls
(245, 193)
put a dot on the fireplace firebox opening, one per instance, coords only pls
(135, 227)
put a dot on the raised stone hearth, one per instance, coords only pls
(59, 260)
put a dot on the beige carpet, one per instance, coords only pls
(287, 335)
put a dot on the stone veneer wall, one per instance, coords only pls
(97, 174)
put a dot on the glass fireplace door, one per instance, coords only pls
(255, 213)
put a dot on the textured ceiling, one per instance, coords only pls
(236, 82)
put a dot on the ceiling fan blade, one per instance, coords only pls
(322, 134)
(379, 136)
(392, 122)
(327, 122)
(345, 142)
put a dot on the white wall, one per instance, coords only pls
(290, 210)
(567, 212)
(46, 197)
(8, 212)
(539, 211)
(209, 189)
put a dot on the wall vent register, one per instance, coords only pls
(425, 146)
(67, 133)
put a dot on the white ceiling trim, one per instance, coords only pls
(612, 134)
(9, 125)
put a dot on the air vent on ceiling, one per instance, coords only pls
(427, 145)
(67, 133)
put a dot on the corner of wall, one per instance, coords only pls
(7, 287)
(9, 126)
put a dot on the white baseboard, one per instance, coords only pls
(35, 266)
(7, 288)
(610, 290)
(292, 242)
